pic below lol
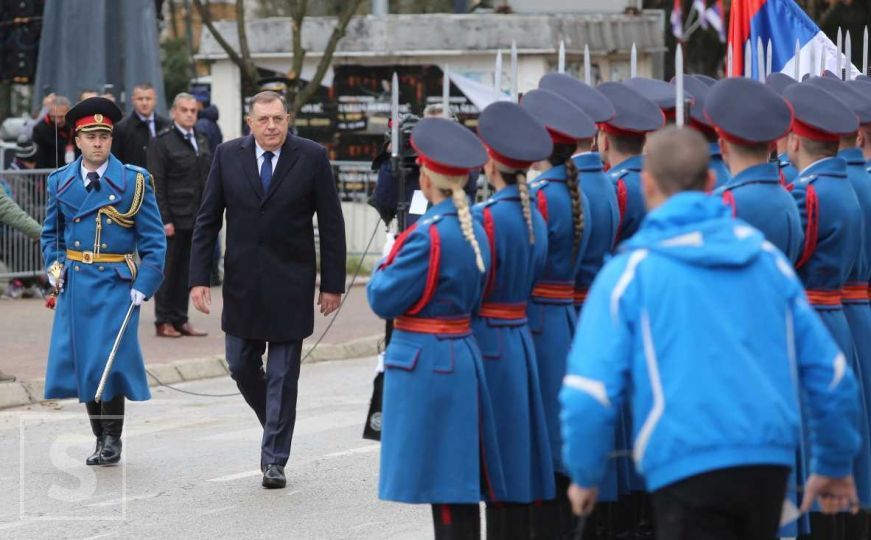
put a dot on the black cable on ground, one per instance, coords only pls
(315, 346)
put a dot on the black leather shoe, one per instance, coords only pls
(94, 459)
(273, 477)
(110, 454)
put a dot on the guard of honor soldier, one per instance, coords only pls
(101, 217)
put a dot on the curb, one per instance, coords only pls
(18, 393)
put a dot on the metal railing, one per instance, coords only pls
(20, 257)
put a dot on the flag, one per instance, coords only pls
(783, 22)
(701, 9)
(677, 20)
(714, 16)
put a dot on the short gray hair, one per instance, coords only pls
(268, 96)
(61, 101)
(182, 96)
(677, 159)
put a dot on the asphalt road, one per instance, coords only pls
(191, 469)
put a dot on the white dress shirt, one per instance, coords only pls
(259, 153)
(101, 170)
(152, 127)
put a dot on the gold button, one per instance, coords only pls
(104, 246)
(108, 221)
(100, 268)
(77, 220)
(76, 268)
(111, 197)
(76, 243)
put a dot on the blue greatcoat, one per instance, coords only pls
(832, 221)
(856, 307)
(718, 165)
(604, 218)
(756, 196)
(95, 297)
(437, 423)
(507, 348)
(706, 393)
(552, 320)
(626, 177)
(787, 170)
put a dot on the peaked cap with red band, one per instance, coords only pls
(512, 136)
(659, 92)
(565, 122)
(819, 115)
(580, 94)
(852, 97)
(747, 112)
(636, 115)
(93, 114)
(446, 147)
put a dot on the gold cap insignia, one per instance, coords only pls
(98, 118)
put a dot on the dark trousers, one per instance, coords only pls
(738, 503)
(270, 393)
(171, 300)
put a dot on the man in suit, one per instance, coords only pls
(179, 159)
(52, 135)
(133, 133)
(271, 184)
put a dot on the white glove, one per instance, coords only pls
(136, 297)
(51, 279)
(388, 244)
(379, 367)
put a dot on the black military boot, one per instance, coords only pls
(113, 423)
(94, 413)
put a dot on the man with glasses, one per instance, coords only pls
(271, 184)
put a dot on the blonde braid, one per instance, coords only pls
(465, 217)
(573, 182)
(523, 189)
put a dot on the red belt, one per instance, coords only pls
(508, 312)
(420, 325)
(581, 296)
(823, 298)
(856, 292)
(555, 291)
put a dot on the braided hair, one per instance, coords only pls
(453, 186)
(518, 177)
(562, 155)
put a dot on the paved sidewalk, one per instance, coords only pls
(25, 329)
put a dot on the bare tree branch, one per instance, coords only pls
(298, 9)
(243, 61)
(338, 33)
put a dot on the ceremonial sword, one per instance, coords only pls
(114, 351)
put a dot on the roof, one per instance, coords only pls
(414, 35)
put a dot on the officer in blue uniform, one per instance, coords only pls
(100, 215)
(604, 216)
(517, 237)
(621, 141)
(552, 316)
(698, 121)
(778, 82)
(750, 117)
(715, 398)
(438, 439)
(832, 222)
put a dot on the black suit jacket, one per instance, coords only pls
(270, 264)
(179, 175)
(131, 136)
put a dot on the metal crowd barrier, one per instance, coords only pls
(20, 256)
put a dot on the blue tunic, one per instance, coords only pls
(832, 220)
(604, 218)
(626, 177)
(552, 320)
(507, 348)
(95, 297)
(787, 171)
(757, 197)
(718, 165)
(437, 422)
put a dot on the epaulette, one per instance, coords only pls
(431, 220)
(538, 184)
(807, 179)
(164, 131)
(619, 175)
(137, 168)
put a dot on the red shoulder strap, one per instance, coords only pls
(622, 195)
(432, 275)
(490, 229)
(812, 206)
(729, 199)
(397, 245)
(541, 202)
(782, 178)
